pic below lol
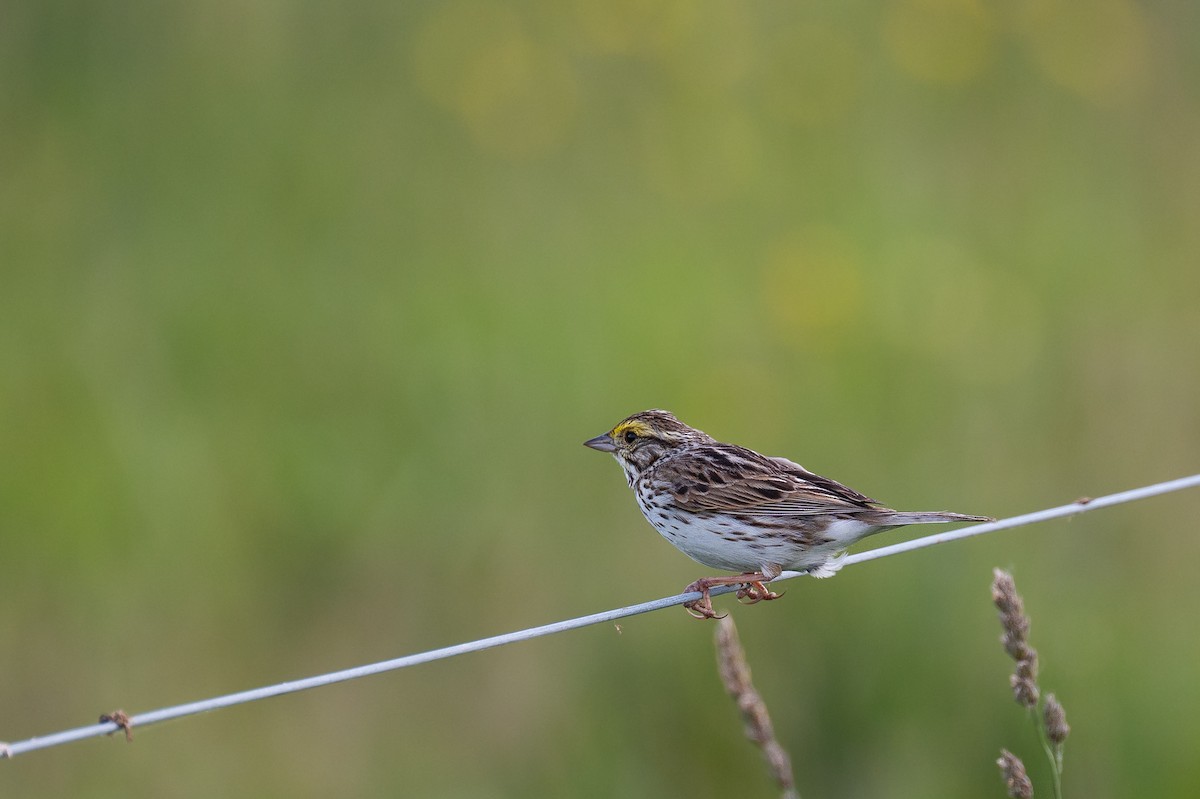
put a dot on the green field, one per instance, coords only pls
(305, 310)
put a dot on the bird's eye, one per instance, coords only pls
(630, 436)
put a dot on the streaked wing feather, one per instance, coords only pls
(724, 477)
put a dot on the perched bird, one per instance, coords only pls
(729, 507)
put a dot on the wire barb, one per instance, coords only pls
(253, 695)
(123, 722)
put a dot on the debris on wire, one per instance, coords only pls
(123, 722)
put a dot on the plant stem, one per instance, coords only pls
(1053, 753)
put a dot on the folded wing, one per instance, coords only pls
(732, 479)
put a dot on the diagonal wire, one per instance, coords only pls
(228, 700)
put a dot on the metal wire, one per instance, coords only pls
(228, 700)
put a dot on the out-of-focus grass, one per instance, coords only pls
(306, 310)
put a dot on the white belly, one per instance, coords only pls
(812, 544)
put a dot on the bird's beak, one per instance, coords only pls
(602, 443)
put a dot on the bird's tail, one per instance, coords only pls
(897, 518)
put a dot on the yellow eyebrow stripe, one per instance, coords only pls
(639, 428)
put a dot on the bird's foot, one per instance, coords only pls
(755, 591)
(701, 608)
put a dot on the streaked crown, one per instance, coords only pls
(657, 424)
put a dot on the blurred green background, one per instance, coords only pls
(307, 308)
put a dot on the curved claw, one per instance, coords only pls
(702, 609)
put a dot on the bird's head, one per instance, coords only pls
(639, 441)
